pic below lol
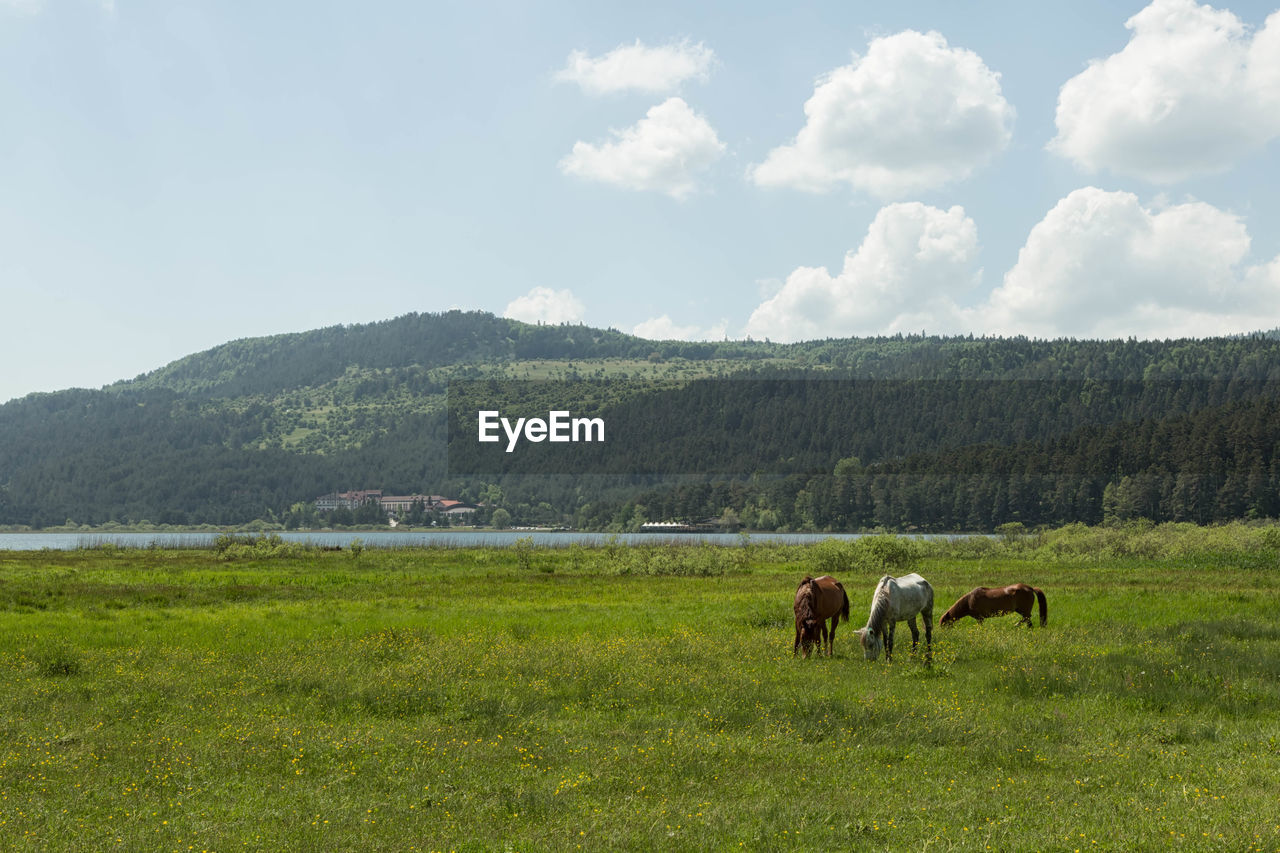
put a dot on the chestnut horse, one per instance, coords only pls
(983, 602)
(818, 599)
(896, 599)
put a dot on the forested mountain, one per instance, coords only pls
(412, 343)
(902, 432)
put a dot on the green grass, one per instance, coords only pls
(625, 698)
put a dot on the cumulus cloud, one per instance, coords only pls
(1099, 264)
(665, 329)
(1191, 92)
(639, 68)
(662, 152)
(1102, 265)
(910, 271)
(544, 305)
(912, 114)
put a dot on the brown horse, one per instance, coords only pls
(982, 602)
(818, 599)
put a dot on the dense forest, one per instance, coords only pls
(1217, 464)
(901, 433)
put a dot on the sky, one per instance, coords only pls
(175, 174)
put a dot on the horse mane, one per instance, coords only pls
(804, 599)
(879, 606)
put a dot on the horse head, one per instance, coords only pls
(810, 634)
(871, 643)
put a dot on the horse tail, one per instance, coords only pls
(844, 608)
(1044, 606)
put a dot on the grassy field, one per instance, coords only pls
(631, 698)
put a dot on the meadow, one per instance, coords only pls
(261, 696)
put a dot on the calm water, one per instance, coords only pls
(387, 539)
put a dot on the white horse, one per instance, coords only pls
(897, 599)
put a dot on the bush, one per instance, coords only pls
(832, 557)
(699, 560)
(1139, 539)
(868, 555)
(524, 552)
(887, 555)
(232, 547)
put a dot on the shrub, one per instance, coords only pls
(870, 555)
(524, 552)
(832, 557)
(886, 555)
(697, 560)
(232, 547)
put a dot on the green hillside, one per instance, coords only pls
(934, 433)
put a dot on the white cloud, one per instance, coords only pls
(912, 267)
(912, 114)
(1098, 265)
(1189, 94)
(663, 152)
(1101, 265)
(640, 68)
(665, 329)
(544, 305)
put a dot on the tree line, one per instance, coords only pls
(1214, 465)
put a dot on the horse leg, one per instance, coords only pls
(888, 641)
(831, 649)
(928, 636)
(805, 639)
(915, 634)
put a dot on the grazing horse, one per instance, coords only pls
(816, 600)
(982, 602)
(897, 599)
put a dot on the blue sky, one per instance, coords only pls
(176, 174)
